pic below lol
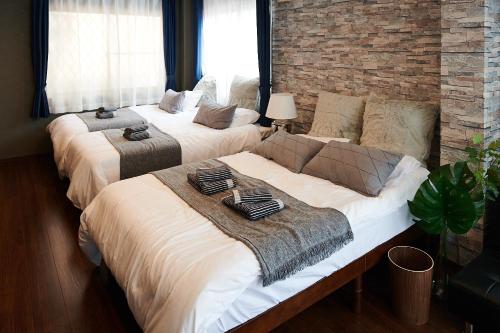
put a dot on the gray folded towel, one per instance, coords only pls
(136, 128)
(212, 174)
(104, 115)
(106, 109)
(137, 136)
(255, 210)
(251, 194)
(209, 188)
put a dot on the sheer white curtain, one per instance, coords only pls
(104, 53)
(229, 42)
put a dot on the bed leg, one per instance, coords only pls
(358, 294)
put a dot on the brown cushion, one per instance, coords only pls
(288, 150)
(215, 116)
(399, 126)
(358, 168)
(338, 116)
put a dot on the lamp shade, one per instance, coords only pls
(281, 106)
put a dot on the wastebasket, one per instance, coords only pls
(411, 280)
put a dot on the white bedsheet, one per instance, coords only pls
(92, 163)
(64, 128)
(180, 273)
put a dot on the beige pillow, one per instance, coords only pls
(207, 85)
(244, 92)
(215, 116)
(399, 126)
(338, 116)
(362, 169)
(288, 150)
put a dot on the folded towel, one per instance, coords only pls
(209, 188)
(212, 174)
(137, 136)
(256, 210)
(106, 109)
(136, 128)
(104, 115)
(251, 194)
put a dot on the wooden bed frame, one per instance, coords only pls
(287, 309)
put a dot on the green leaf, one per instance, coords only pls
(477, 139)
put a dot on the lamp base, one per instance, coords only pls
(281, 125)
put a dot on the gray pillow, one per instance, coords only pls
(288, 150)
(172, 101)
(215, 116)
(362, 169)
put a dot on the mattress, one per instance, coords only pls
(91, 162)
(180, 273)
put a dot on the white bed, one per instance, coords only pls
(180, 273)
(91, 162)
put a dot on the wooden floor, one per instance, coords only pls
(46, 284)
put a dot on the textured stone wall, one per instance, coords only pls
(445, 52)
(470, 90)
(389, 47)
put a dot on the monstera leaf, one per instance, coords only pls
(447, 199)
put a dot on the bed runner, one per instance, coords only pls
(123, 118)
(284, 243)
(137, 158)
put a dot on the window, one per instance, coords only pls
(104, 53)
(229, 42)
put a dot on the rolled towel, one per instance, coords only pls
(135, 128)
(256, 210)
(209, 188)
(251, 194)
(137, 136)
(212, 174)
(104, 115)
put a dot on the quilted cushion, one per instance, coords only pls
(358, 168)
(398, 126)
(172, 101)
(207, 84)
(288, 150)
(215, 116)
(244, 92)
(338, 116)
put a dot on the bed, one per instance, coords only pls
(91, 162)
(180, 273)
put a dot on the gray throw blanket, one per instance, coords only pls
(122, 118)
(284, 243)
(137, 158)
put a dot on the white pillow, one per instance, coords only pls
(191, 99)
(324, 138)
(244, 117)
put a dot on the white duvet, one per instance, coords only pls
(180, 273)
(91, 162)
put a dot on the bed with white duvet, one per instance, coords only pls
(180, 273)
(91, 162)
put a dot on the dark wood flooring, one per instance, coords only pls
(47, 285)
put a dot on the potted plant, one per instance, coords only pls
(452, 198)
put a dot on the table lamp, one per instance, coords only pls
(281, 108)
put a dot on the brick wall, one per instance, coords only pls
(355, 47)
(445, 52)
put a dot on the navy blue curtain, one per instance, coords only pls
(40, 54)
(169, 35)
(198, 26)
(264, 53)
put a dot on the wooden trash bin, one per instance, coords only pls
(411, 279)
